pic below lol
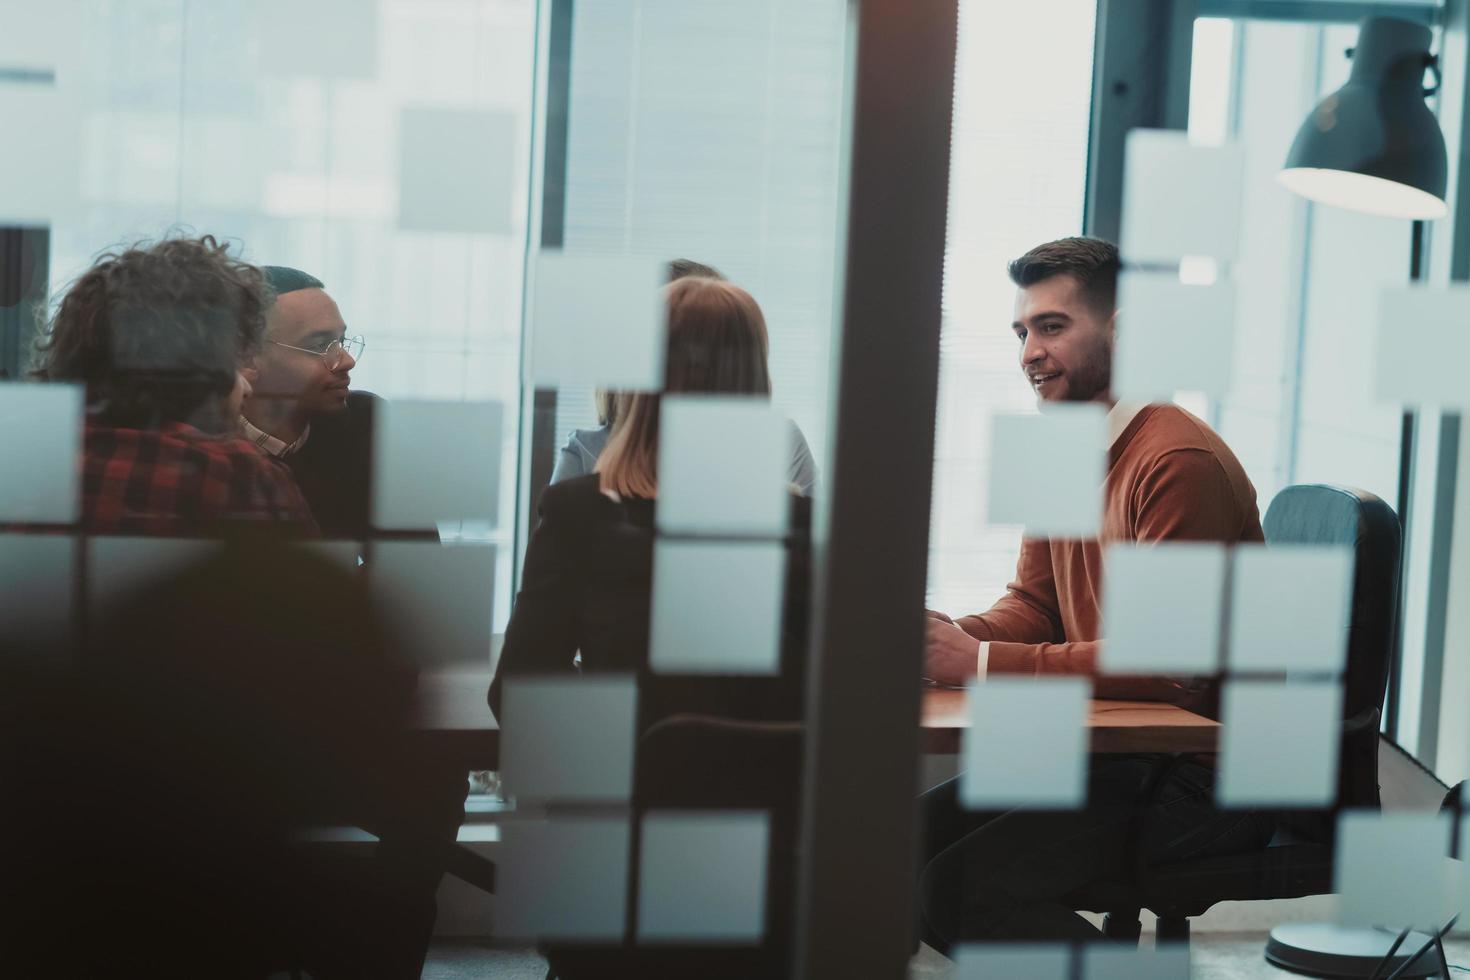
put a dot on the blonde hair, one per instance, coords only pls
(613, 404)
(717, 344)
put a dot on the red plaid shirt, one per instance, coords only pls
(177, 481)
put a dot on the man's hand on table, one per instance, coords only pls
(951, 656)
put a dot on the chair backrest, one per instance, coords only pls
(1326, 515)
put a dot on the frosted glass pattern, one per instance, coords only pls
(1027, 743)
(702, 877)
(566, 739)
(1047, 470)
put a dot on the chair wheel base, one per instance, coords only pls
(1320, 950)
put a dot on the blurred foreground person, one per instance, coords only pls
(157, 787)
(157, 334)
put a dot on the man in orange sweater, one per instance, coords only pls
(1170, 477)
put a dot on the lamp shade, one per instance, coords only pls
(1373, 145)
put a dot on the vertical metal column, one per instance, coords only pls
(1140, 78)
(1448, 262)
(540, 433)
(856, 880)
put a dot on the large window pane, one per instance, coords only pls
(1017, 176)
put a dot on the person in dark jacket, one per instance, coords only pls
(589, 564)
(587, 587)
(302, 409)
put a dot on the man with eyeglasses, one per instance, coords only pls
(302, 409)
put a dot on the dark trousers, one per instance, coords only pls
(374, 917)
(1007, 876)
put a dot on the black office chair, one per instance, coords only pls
(1299, 859)
(701, 762)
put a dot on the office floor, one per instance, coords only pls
(1217, 956)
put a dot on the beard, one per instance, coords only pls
(1089, 383)
(1093, 376)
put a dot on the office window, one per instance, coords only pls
(701, 135)
(1302, 408)
(1017, 176)
(222, 119)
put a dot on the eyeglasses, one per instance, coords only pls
(333, 353)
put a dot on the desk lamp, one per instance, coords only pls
(1373, 145)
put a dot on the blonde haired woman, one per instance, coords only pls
(588, 574)
(587, 587)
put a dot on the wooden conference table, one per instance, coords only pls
(452, 712)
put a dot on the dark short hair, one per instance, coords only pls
(686, 268)
(283, 279)
(156, 332)
(1093, 262)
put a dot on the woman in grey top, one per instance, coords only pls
(579, 455)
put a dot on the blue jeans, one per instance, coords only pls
(1005, 876)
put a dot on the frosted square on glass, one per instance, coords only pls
(41, 438)
(1172, 337)
(1423, 346)
(436, 461)
(1179, 199)
(1100, 962)
(36, 34)
(1390, 869)
(568, 738)
(438, 598)
(1161, 608)
(1047, 470)
(456, 170)
(42, 184)
(598, 320)
(723, 465)
(1290, 607)
(565, 878)
(118, 567)
(1279, 744)
(717, 607)
(1026, 744)
(991, 960)
(37, 591)
(702, 877)
(323, 38)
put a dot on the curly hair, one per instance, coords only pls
(157, 331)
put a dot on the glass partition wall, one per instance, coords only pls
(512, 214)
(679, 320)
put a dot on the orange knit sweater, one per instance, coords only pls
(1170, 477)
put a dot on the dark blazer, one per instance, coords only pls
(587, 585)
(335, 468)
